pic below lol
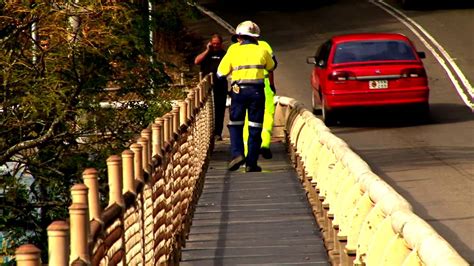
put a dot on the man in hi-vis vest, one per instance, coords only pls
(247, 63)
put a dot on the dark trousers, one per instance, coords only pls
(220, 98)
(251, 99)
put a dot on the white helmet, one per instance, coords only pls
(248, 28)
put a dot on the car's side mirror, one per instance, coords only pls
(315, 61)
(321, 63)
(311, 60)
(421, 54)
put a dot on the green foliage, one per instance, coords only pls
(166, 20)
(54, 75)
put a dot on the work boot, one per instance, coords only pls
(236, 162)
(254, 168)
(266, 153)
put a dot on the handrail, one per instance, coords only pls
(153, 188)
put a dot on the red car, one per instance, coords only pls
(369, 69)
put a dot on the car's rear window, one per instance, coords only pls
(377, 50)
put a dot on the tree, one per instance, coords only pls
(58, 62)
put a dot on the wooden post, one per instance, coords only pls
(145, 158)
(200, 89)
(197, 100)
(166, 128)
(183, 109)
(58, 243)
(175, 118)
(114, 170)
(79, 194)
(137, 159)
(188, 108)
(202, 92)
(146, 134)
(90, 177)
(128, 172)
(160, 121)
(28, 255)
(157, 136)
(79, 228)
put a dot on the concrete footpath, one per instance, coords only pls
(253, 218)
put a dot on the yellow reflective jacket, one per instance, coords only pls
(265, 45)
(247, 63)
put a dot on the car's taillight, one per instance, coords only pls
(413, 73)
(341, 76)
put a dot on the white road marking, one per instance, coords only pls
(215, 17)
(418, 31)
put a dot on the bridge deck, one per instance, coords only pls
(253, 218)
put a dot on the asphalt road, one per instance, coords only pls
(428, 163)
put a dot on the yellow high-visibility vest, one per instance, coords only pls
(247, 64)
(265, 45)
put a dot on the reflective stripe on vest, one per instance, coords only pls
(248, 67)
(246, 63)
(251, 81)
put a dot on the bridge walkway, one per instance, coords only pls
(253, 218)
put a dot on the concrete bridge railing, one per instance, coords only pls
(363, 220)
(153, 189)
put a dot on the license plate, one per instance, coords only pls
(378, 84)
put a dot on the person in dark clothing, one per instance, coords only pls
(209, 59)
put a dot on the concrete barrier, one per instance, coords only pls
(363, 220)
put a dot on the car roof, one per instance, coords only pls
(368, 36)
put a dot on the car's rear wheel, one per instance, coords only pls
(327, 115)
(315, 105)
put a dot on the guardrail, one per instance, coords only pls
(363, 220)
(153, 189)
